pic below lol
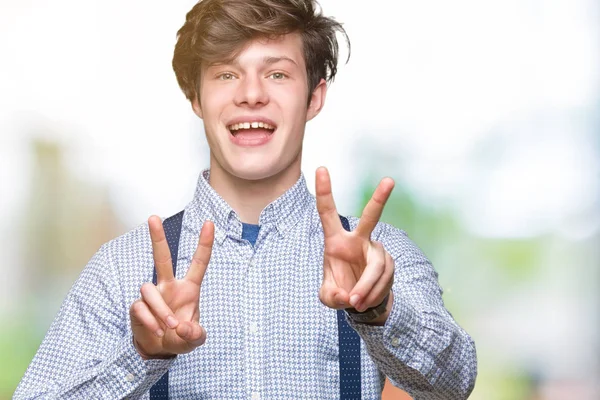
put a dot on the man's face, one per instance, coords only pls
(255, 108)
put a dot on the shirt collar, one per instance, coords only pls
(281, 214)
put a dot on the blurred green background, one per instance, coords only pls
(486, 113)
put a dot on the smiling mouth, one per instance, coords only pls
(250, 127)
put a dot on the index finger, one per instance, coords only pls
(202, 255)
(160, 250)
(372, 211)
(325, 204)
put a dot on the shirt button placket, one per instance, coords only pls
(254, 350)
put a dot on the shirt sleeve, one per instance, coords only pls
(421, 349)
(88, 351)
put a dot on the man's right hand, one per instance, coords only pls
(165, 321)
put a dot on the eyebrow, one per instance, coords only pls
(269, 60)
(273, 60)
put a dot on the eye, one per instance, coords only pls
(225, 76)
(277, 76)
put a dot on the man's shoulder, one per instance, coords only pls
(131, 242)
(395, 240)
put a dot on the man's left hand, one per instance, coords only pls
(357, 272)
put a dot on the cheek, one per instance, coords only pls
(214, 101)
(296, 110)
(212, 122)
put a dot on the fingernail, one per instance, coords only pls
(354, 300)
(160, 333)
(172, 322)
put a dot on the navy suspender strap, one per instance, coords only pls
(172, 228)
(349, 341)
(349, 349)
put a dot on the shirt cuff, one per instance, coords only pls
(129, 372)
(402, 337)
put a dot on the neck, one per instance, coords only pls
(249, 197)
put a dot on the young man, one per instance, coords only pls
(262, 265)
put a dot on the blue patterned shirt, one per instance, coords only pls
(268, 335)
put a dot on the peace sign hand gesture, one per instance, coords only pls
(357, 272)
(165, 321)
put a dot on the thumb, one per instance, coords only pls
(333, 296)
(192, 332)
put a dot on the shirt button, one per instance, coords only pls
(253, 328)
(129, 378)
(395, 342)
(255, 396)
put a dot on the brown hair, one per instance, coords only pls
(216, 31)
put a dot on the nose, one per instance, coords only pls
(251, 92)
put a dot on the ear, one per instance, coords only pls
(317, 100)
(196, 107)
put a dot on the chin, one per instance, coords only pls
(257, 172)
(253, 174)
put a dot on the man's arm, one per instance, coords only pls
(420, 348)
(88, 351)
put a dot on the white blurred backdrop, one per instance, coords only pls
(488, 110)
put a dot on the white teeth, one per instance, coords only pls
(248, 125)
